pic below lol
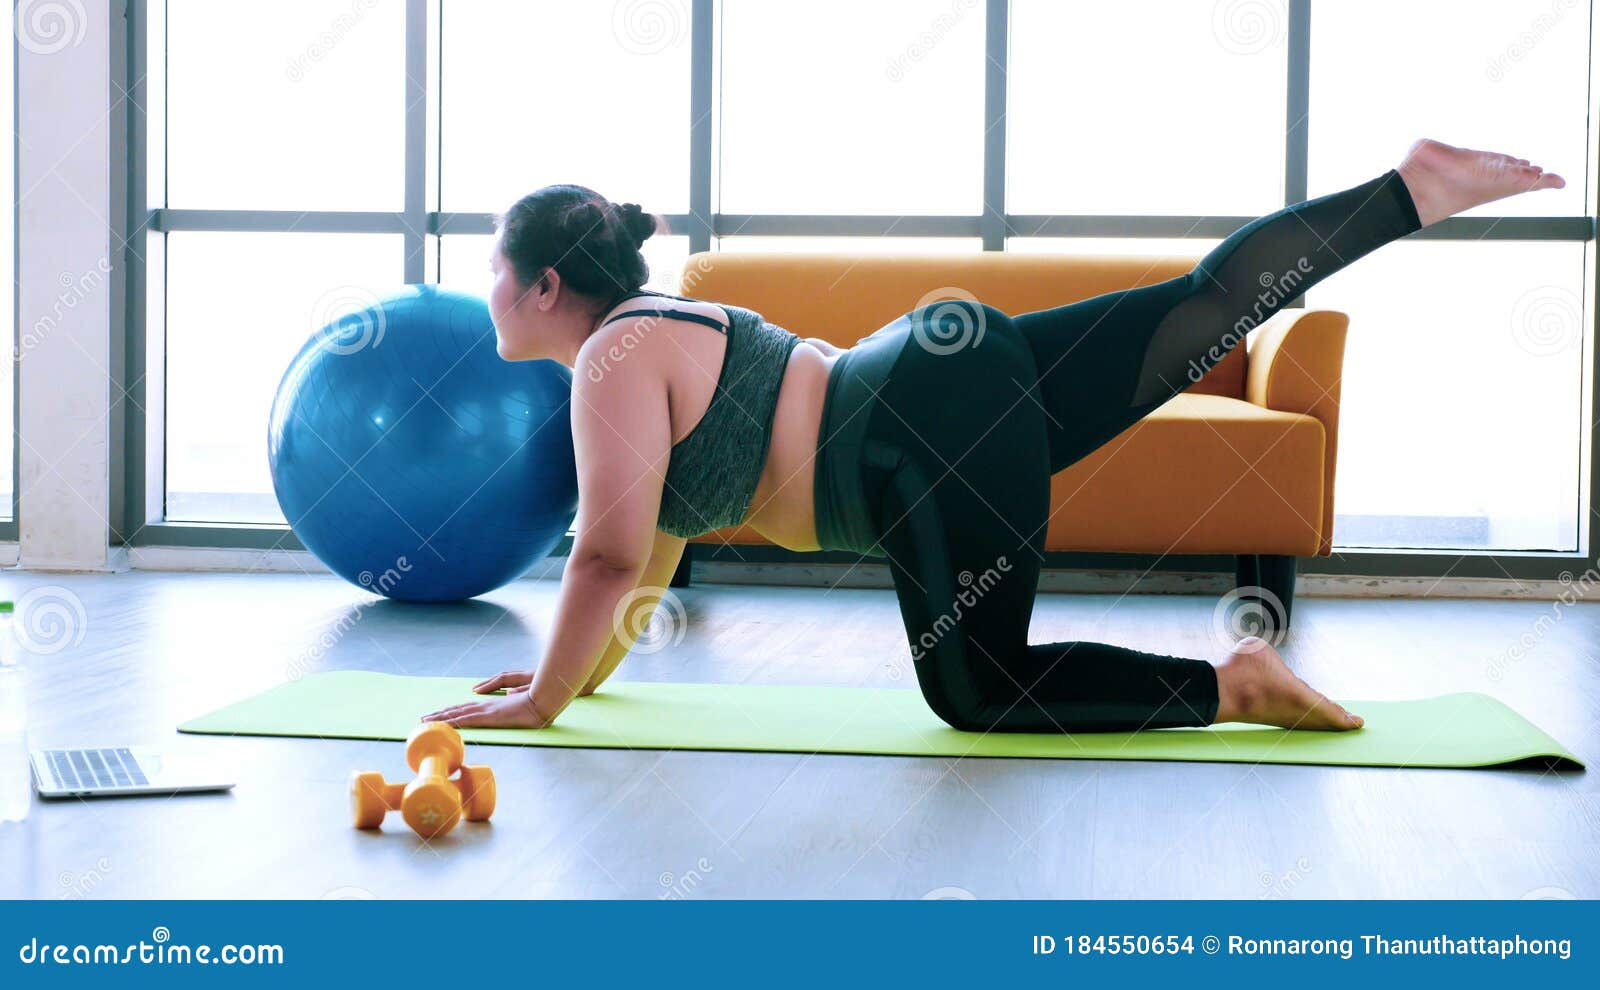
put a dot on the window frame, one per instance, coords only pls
(137, 455)
(11, 528)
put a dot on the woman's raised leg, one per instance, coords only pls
(1105, 362)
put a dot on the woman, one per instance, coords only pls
(689, 416)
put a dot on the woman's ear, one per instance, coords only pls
(546, 288)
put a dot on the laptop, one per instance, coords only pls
(115, 770)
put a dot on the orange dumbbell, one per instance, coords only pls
(433, 803)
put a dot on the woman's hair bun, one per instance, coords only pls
(590, 241)
(639, 224)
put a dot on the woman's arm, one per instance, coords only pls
(622, 436)
(658, 571)
(621, 433)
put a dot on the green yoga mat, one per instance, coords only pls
(1455, 730)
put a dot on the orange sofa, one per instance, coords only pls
(1242, 463)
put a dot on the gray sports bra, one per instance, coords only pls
(713, 472)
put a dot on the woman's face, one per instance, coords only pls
(515, 310)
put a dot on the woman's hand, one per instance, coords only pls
(514, 711)
(510, 679)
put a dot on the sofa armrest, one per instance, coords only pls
(1296, 364)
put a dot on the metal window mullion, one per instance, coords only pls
(1048, 225)
(165, 220)
(128, 517)
(1297, 131)
(702, 36)
(1589, 525)
(442, 223)
(155, 489)
(123, 202)
(415, 216)
(997, 27)
(846, 225)
(10, 529)
(1297, 102)
(1154, 225)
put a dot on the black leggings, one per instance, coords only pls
(941, 430)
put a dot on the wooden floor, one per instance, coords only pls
(159, 648)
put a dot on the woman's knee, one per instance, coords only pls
(959, 717)
(952, 692)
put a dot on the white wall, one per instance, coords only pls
(65, 287)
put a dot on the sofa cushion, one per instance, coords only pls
(1201, 474)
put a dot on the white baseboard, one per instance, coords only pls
(265, 561)
(1356, 586)
(224, 559)
(116, 561)
(1309, 585)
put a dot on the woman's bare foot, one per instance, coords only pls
(1255, 685)
(1445, 180)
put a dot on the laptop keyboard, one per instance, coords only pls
(84, 769)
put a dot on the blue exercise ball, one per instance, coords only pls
(413, 460)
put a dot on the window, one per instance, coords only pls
(1514, 75)
(340, 148)
(525, 105)
(231, 329)
(884, 116)
(1155, 107)
(1462, 413)
(302, 112)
